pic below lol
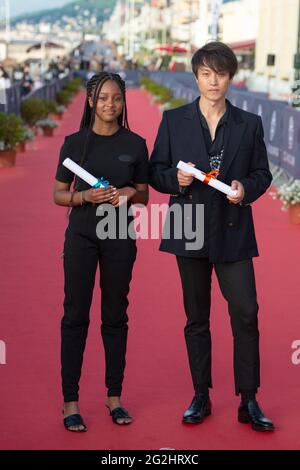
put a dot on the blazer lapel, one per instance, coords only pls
(233, 138)
(194, 140)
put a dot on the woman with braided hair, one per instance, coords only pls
(106, 148)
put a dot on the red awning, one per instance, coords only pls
(171, 48)
(250, 44)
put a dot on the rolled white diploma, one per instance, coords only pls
(201, 176)
(83, 174)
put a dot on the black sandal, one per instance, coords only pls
(119, 413)
(74, 420)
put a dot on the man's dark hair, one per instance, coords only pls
(217, 56)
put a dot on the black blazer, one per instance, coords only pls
(228, 228)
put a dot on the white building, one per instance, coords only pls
(239, 21)
(277, 35)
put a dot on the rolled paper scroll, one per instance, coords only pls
(85, 175)
(207, 178)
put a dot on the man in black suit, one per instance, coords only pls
(214, 135)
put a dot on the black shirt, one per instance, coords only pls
(215, 148)
(121, 158)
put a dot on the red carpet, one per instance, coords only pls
(157, 388)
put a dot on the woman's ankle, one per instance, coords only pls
(71, 407)
(113, 402)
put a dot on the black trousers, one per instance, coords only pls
(237, 284)
(83, 251)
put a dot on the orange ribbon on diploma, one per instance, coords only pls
(212, 174)
(207, 178)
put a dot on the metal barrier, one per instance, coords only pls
(47, 92)
(12, 100)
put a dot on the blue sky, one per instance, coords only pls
(20, 6)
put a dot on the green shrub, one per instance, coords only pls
(176, 102)
(164, 94)
(160, 92)
(51, 106)
(12, 131)
(64, 97)
(73, 86)
(145, 81)
(77, 81)
(33, 109)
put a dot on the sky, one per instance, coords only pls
(20, 6)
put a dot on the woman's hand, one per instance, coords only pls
(100, 195)
(126, 192)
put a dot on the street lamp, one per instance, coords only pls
(190, 27)
(131, 33)
(7, 20)
(43, 56)
(215, 12)
(127, 28)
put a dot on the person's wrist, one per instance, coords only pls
(132, 191)
(71, 202)
(77, 198)
(83, 200)
(86, 198)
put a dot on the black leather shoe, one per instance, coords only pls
(198, 410)
(250, 413)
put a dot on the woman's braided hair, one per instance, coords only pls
(94, 87)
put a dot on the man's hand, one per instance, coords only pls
(185, 179)
(237, 186)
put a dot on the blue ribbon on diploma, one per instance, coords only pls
(85, 175)
(101, 182)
